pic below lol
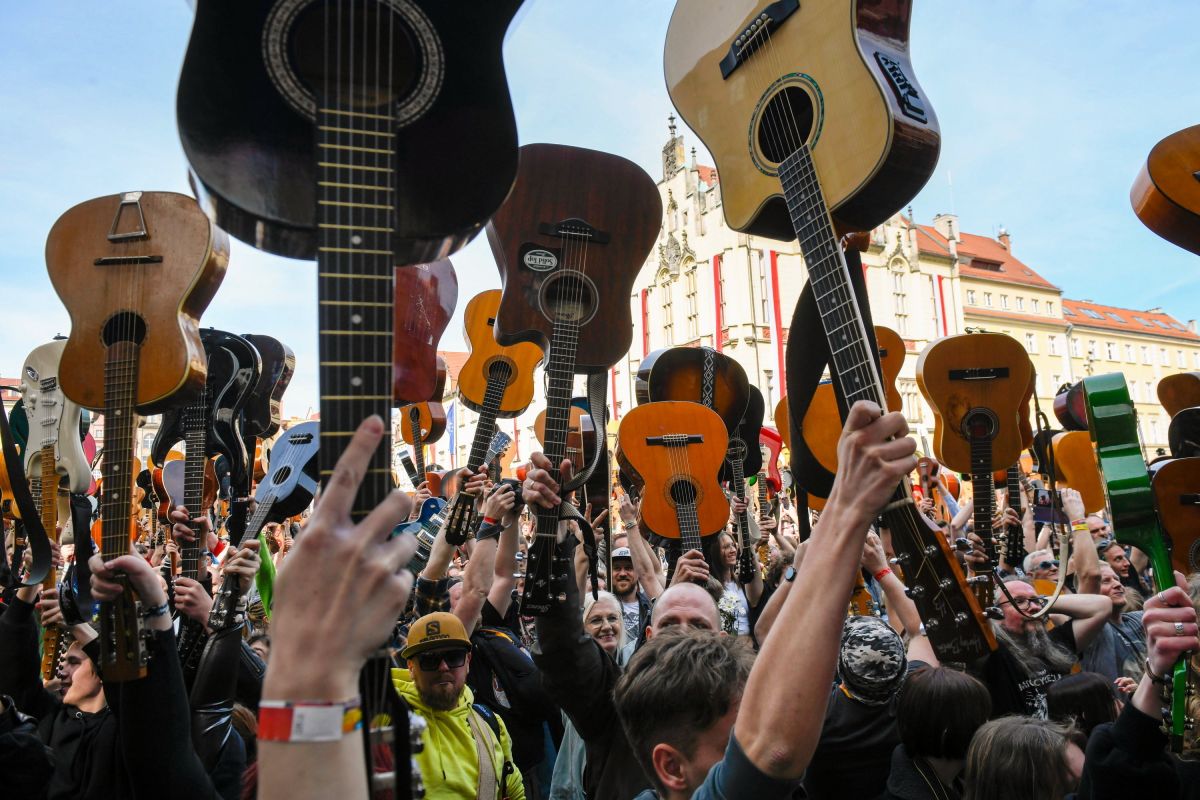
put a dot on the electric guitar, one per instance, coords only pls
(460, 514)
(1166, 194)
(679, 446)
(817, 123)
(569, 242)
(975, 384)
(262, 410)
(1112, 425)
(135, 271)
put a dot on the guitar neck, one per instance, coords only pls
(48, 505)
(560, 382)
(689, 525)
(486, 428)
(984, 506)
(418, 446)
(356, 280)
(1013, 485)
(120, 427)
(195, 460)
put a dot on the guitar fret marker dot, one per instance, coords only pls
(356, 239)
(356, 319)
(356, 381)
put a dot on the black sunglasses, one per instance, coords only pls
(1046, 564)
(429, 662)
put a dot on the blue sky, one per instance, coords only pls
(1047, 111)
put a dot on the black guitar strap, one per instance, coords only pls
(806, 358)
(39, 542)
(597, 391)
(81, 527)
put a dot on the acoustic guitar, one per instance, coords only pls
(262, 411)
(135, 272)
(569, 242)
(424, 422)
(674, 450)
(425, 298)
(817, 123)
(1166, 193)
(975, 384)
(495, 381)
(1112, 425)
(744, 459)
(700, 375)
(1176, 486)
(1075, 468)
(1179, 391)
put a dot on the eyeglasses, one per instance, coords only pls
(429, 662)
(1023, 603)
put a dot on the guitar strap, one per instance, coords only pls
(81, 525)
(806, 358)
(39, 542)
(597, 392)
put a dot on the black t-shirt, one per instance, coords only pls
(1013, 690)
(854, 754)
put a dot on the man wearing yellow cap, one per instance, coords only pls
(468, 752)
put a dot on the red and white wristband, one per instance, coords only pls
(308, 720)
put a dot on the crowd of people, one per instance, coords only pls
(682, 677)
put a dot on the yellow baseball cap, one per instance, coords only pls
(433, 631)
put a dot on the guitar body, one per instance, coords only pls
(569, 241)
(170, 488)
(49, 411)
(425, 421)
(425, 299)
(853, 97)
(246, 107)
(770, 446)
(641, 382)
(702, 375)
(743, 441)
(263, 410)
(1176, 487)
(1075, 463)
(155, 302)
(489, 358)
(670, 477)
(1179, 391)
(975, 381)
(575, 432)
(1166, 194)
(1112, 424)
(1183, 434)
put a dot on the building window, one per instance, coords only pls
(1145, 355)
(1075, 348)
(1052, 347)
(970, 297)
(1162, 357)
(1037, 383)
(693, 305)
(1196, 360)
(765, 317)
(1049, 308)
(1149, 391)
(1133, 391)
(1004, 301)
(668, 316)
(1180, 361)
(1110, 351)
(1091, 348)
(1154, 430)
(1129, 353)
(1020, 304)
(1031, 342)
(1033, 305)
(899, 302)
(1056, 381)
(987, 299)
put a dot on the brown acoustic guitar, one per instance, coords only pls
(975, 383)
(424, 422)
(674, 451)
(569, 242)
(1179, 391)
(1176, 487)
(1166, 192)
(135, 271)
(1076, 468)
(425, 298)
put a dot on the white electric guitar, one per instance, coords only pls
(53, 421)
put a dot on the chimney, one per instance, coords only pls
(1004, 239)
(947, 226)
(1191, 325)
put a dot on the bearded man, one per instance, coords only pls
(1032, 655)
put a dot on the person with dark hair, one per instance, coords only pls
(1023, 758)
(937, 714)
(1084, 700)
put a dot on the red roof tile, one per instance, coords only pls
(972, 247)
(1096, 315)
(707, 174)
(454, 363)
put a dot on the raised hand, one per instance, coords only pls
(191, 600)
(874, 453)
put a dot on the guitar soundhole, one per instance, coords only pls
(569, 297)
(362, 54)
(683, 492)
(785, 122)
(1194, 556)
(500, 368)
(281, 475)
(124, 326)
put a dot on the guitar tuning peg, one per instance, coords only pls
(915, 592)
(993, 612)
(962, 544)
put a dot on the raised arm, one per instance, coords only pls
(504, 575)
(778, 730)
(1084, 559)
(481, 569)
(645, 562)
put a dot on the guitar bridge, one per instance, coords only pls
(574, 229)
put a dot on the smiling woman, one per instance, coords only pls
(602, 620)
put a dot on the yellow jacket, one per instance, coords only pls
(450, 762)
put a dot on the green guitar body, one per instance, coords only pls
(1112, 423)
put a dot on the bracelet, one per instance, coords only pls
(1079, 527)
(490, 521)
(630, 525)
(155, 611)
(488, 530)
(883, 573)
(308, 720)
(1159, 679)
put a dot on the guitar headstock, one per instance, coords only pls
(122, 638)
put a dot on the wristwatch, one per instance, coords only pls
(789, 574)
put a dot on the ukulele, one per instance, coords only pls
(738, 69)
(569, 242)
(1166, 193)
(425, 299)
(424, 422)
(135, 272)
(680, 447)
(974, 383)
(1112, 425)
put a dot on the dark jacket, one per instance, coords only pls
(580, 677)
(25, 762)
(910, 781)
(1128, 758)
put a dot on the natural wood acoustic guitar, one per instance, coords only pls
(1166, 192)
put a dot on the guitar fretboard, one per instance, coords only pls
(492, 397)
(355, 287)
(984, 505)
(120, 426)
(195, 436)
